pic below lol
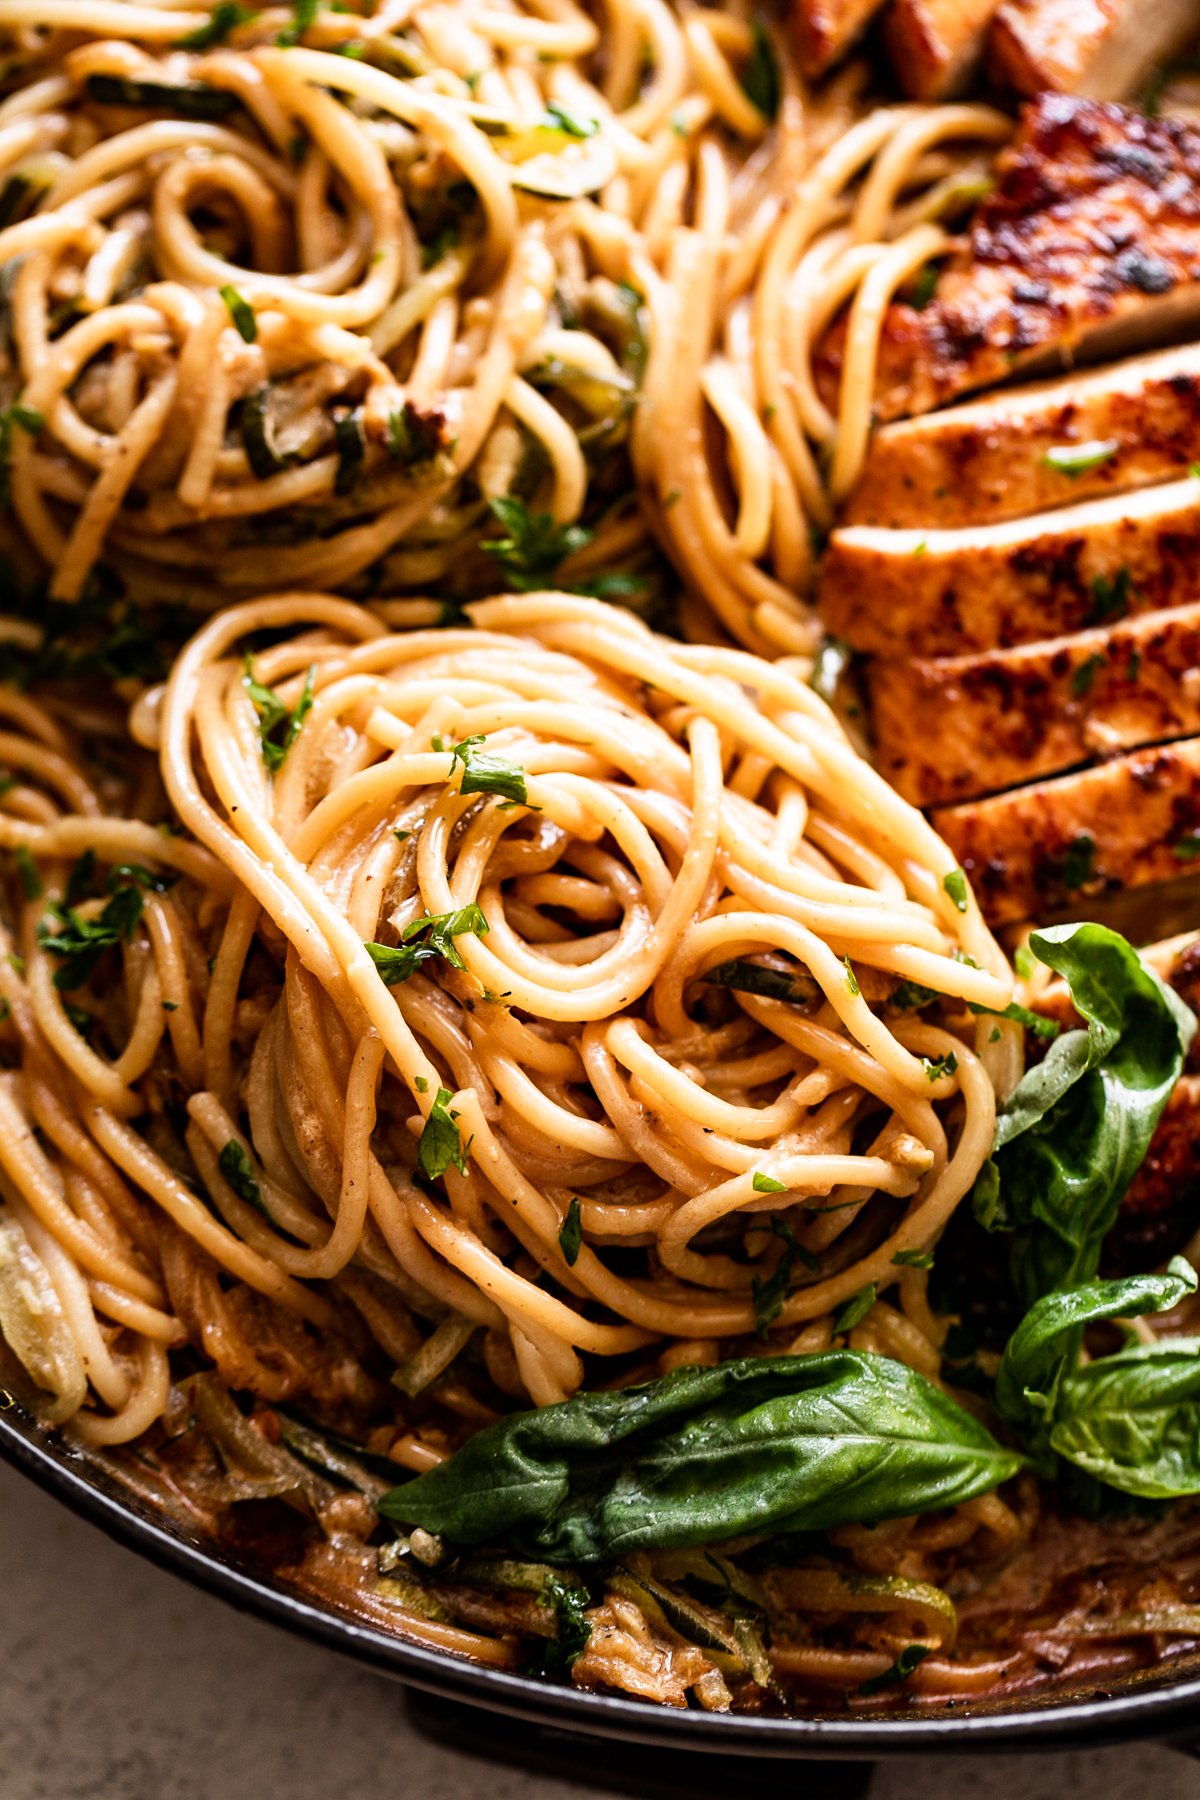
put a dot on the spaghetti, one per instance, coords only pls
(293, 299)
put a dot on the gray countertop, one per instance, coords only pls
(119, 1682)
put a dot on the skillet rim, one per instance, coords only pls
(1166, 1708)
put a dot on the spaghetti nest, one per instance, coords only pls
(541, 883)
(303, 296)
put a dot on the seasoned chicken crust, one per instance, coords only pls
(1091, 240)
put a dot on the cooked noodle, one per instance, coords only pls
(388, 217)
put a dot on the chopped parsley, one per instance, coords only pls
(570, 1237)
(1085, 674)
(27, 870)
(901, 1669)
(238, 1170)
(761, 80)
(484, 773)
(924, 287)
(566, 119)
(913, 1259)
(910, 996)
(30, 421)
(851, 977)
(278, 728)
(747, 977)
(1077, 459)
(534, 545)
(955, 884)
(223, 19)
(440, 1146)
(1110, 595)
(1188, 848)
(937, 1066)
(1021, 1015)
(769, 1295)
(414, 435)
(80, 943)
(767, 1184)
(1078, 862)
(855, 1309)
(242, 314)
(304, 13)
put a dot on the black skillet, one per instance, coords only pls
(536, 1719)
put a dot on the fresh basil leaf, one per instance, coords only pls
(570, 1237)
(1073, 1134)
(766, 1444)
(1132, 1420)
(440, 1146)
(1039, 1351)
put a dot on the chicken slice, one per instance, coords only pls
(827, 29)
(1090, 244)
(953, 728)
(1061, 844)
(1023, 449)
(936, 46)
(940, 593)
(1103, 48)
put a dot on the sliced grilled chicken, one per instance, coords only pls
(936, 46)
(1089, 244)
(941, 593)
(1024, 449)
(1103, 48)
(827, 29)
(953, 728)
(1055, 845)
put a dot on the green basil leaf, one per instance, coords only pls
(1036, 1356)
(765, 1444)
(1073, 1134)
(1133, 1420)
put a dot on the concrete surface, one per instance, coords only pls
(118, 1682)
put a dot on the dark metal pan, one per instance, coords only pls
(1164, 1706)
